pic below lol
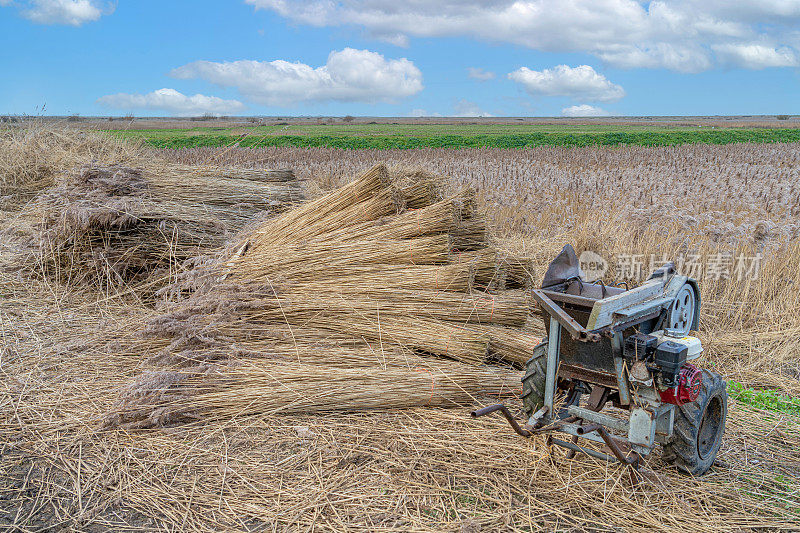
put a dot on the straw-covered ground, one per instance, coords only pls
(69, 352)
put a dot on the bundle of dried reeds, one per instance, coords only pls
(179, 172)
(257, 387)
(198, 189)
(453, 216)
(508, 309)
(316, 260)
(286, 227)
(510, 345)
(113, 226)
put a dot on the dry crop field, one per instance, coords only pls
(178, 356)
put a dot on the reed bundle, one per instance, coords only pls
(510, 345)
(251, 322)
(473, 272)
(114, 226)
(508, 309)
(257, 387)
(452, 216)
(419, 188)
(434, 249)
(312, 261)
(515, 272)
(179, 172)
(285, 227)
(218, 191)
(417, 333)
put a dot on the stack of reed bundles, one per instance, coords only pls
(342, 303)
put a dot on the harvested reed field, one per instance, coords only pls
(317, 371)
(752, 191)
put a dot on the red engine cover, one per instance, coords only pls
(689, 383)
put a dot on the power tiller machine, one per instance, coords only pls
(627, 348)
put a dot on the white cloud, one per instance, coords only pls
(465, 108)
(480, 74)
(67, 12)
(422, 113)
(756, 56)
(584, 110)
(687, 59)
(172, 102)
(675, 34)
(581, 82)
(348, 76)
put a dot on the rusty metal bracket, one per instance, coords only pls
(575, 330)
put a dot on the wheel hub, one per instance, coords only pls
(682, 313)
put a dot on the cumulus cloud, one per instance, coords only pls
(584, 110)
(348, 76)
(173, 102)
(480, 74)
(66, 12)
(465, 108)
(756, 56)
(675, 34)
(581, 82)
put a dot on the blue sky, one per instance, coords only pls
(389, 58)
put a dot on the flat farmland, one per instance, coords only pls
(406, 134)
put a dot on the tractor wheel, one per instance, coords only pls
(699, 426)
(534, 380)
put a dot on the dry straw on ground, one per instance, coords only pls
(33, 155)
(425, 469)
(67, 355)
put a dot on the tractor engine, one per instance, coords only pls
(661, 360)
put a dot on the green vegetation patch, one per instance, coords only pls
(194, 138)
(766, 399)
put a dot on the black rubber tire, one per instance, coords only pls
(534, 380)
(699, 427)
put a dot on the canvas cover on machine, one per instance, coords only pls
(564, 267)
